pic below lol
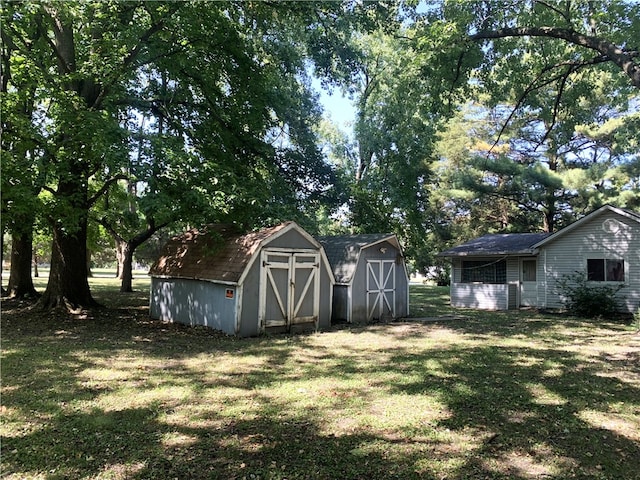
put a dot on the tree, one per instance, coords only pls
(21, 179)
(387, 162)
(556, 41)
(531, 67)
(222, 85)
(75, 70)
(534, 179)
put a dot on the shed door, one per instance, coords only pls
(289, 288)
(381, 289)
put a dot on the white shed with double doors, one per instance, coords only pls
(371, 277)
(276, 279)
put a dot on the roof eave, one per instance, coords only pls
(519, 253)
(199, 279)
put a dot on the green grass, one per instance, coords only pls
(498, 395)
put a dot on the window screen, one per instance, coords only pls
(484, 271)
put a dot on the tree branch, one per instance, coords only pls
(534, 85)
(553, 8)
(63, 47)
(144, 38)
(620, 57)
(94, 198)
(135, 51)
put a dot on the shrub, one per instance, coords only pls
(587, 299)
(439, 275)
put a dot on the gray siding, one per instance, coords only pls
(249, 314)
(359, 281)
(593, 239)
(289, 240)
(249, 326)
(326, 297)
(193, 302)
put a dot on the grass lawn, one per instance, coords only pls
(510, 395)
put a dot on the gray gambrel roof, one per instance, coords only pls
(497, 244)
(343, 251)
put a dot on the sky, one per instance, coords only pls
(338, 108)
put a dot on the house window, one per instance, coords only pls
(529, 270)
(605, 270)
(484, 271)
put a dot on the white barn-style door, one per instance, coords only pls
(289, 288)
(381, 289)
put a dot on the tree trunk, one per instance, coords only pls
(549, 218)
(89, 272)
(36, 273)
(2, 260)
(120, 247)
(127, 266)
(550, 207)
(68, 285)
(20, 281)
(127, 247)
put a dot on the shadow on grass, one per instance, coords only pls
(135, 444)
(536, 405)
(533, 409)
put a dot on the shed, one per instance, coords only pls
(276, 279)
(371, 278)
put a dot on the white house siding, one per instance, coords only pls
(484, 296)
(608, 235)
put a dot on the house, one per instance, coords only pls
(509, 271)
(273, 280)
(371, 278)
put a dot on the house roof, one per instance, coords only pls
(497, 244)
(343, 251)
(525, 243)
(635, 216)
(214, 252)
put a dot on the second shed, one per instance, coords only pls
(371, 278)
